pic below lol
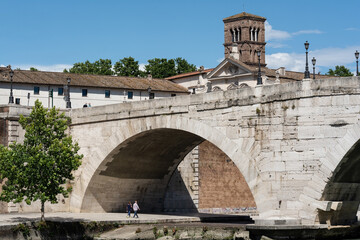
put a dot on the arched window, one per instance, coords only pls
(232, 86)
(243, 85)
(232, 35)
(216, 89)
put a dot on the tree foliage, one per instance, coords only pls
(157, 67)
(127, 67)
(100, 67)
(182, 66)
(340, 71)
(33, 69)
(39, 168)
(160, 67)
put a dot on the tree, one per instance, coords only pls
(340, 71)
(100, 67)
(33, 69)
(127, 67)
(182, 66)
(161, 68)
(39, 168)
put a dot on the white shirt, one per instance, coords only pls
(136, 207)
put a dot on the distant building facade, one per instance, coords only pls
(244, 36)
(93, 90)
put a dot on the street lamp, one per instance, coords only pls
(313, 63)
(357, 62)
(259, 79)
(149, 91)
(307, 73)
(68, 103)
(11, 98)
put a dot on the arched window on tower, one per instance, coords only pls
(256, 35)
(239, 35)
(251, 34)
(232, 35)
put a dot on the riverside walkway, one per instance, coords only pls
(16, 218)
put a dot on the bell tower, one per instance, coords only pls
(244, 34)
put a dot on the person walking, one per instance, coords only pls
(136, 209)
(128, 207)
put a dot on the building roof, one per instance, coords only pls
(243, 15)
(189, 74)
(85, 80)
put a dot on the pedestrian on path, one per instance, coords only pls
(129, 207)
(136, 209)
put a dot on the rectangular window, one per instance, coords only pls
(107, 93)
(17, 101)
(152, 95)
(84, 92)
(130, 95)
(60, 91)
(173, 94)
(36, 90)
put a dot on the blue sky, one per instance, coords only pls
(52, 35)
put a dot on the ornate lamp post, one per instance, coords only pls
(307, 73)
(149, 91)
(313, 63)
(68, 103)
(259, 79)
(357, 62)
(11, 98)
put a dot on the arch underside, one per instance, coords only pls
(139, 169)
(344, 189)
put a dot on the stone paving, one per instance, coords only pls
(16, 218)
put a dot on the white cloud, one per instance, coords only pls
(47, 68)
(276, 45)
(291, 61)
(326, 57)
(352, 29)
(272, 34)
(142, 66)
(307, 32)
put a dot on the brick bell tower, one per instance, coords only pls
(244, 34)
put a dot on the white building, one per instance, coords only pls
(84, 89)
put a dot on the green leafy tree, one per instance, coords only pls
(161, 68)
(127, 67)
(182, 66)
(33, 69)
(100, 67)
(39, 168)
(340, 71)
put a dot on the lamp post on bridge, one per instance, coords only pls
(307, 73)
(313, 63)
(149, 92)
(11, 97)
(259, 79)
(357, 62)
(68, 102)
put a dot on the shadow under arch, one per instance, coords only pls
(343, 188)
(165, 161)
(337, 194)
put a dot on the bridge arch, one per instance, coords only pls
(99, 160)
(334, 193)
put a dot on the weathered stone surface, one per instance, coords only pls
(291, 143)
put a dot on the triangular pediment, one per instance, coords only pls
(229, 68)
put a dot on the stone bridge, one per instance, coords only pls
(295, 144)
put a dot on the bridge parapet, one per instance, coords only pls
(218, 100)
